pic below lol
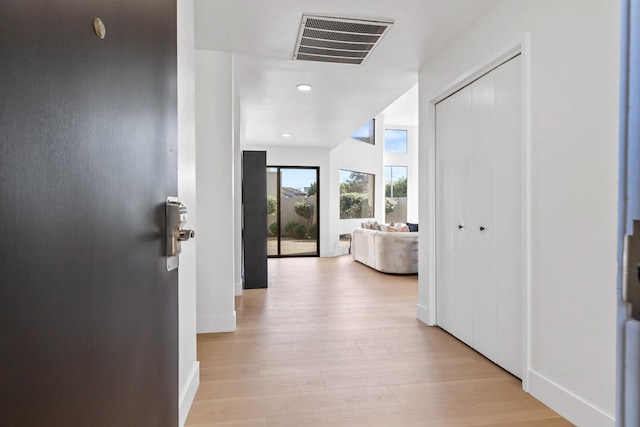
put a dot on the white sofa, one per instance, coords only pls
(388, 252)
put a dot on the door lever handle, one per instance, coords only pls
(460, 226)
(184, 235)
(481, 228)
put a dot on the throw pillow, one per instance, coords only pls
(412, 227)
(375, 226)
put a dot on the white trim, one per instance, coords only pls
(518, 47)
(216, 323)
(422, 313)
(526, 211)
(237, 288)
(189, 393)
(578, 411)
(492, 62)
(335, 252)
(431, 209)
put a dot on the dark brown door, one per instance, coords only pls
(254, 220)
(88, 312)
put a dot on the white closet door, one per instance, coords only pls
(509, 217)
(482, 224)
(453, 170)
(478, 215)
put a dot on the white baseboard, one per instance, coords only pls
(188, 393)
(238, 289)
(422, 313)
(567, 404)
(216, 323)
(334, 252)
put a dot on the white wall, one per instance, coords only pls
(215, 174)
(307, 156)
(573, 109)
(188, 370)
(410, 160)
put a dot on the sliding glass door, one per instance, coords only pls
(293, 207)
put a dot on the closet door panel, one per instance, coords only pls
(483, 225)
(462, 212)
(453, 185)
(509, 216)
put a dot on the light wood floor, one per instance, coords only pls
(335, 343)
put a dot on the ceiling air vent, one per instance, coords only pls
(341, 40)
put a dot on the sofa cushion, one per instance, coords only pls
(371, 225)
(396, 253)
(401, 228)
(363, 245)
(386, 252)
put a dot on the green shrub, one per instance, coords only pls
(304, 209)
(272, 205)
(290, 227)
(354, 205)
(300, 232)
(313, 232)
(273, 228)
(389, 205)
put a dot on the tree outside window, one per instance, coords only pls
(356, 194)
(395, 191)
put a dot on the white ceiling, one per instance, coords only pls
(262, 34)
(404, 110)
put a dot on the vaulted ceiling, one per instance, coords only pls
(262, 34)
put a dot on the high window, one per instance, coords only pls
(366, 133)
(395, 140)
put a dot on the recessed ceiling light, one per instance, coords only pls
(286, 135)
(304, 87)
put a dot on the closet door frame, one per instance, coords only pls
(428, 263)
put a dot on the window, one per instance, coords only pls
(356, 194)
(395, 181)
(367, 133)
(395, 140)
(395, 192)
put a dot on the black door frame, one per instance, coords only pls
(278, 219)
